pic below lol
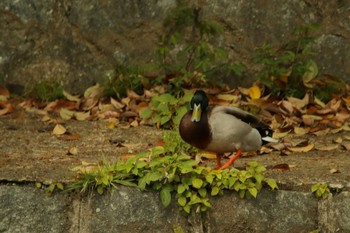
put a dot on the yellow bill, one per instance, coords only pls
(196, 113)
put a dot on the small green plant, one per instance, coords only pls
(46, 91)
(190, 48)
(320, 190)
(188, 55)
(315, 231)
(126, 78)
(166, 110)
(50, 188)
(173, 143)
(174, 174)
(286, 69)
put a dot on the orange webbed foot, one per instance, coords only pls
(229, 163)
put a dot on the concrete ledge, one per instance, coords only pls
(23, 208)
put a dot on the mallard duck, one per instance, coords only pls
(222, 129)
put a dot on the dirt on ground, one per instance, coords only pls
(29, 151)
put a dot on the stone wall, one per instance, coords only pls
(24, 208)
(79, 43)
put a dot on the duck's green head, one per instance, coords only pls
(199, 103)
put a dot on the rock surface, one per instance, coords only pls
(81, 42)
(29, 152)
(24, 208)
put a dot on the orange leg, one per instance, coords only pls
(230, 162)
(218, 161)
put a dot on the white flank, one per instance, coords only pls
(269, 139)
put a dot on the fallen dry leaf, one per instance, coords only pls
(338, 140)
(46, 118)
(66, 114)
(126, 101)
(126, 156)
(204, 154)
(111, 125)
(82, 116)
(325, 111)
(334, 170)
(301, 130)
(302, 149)
(88, 104)
(254, 92)
(71, 97)
(299, 142)
(282, 166)
(265, 150)
(299, 103)
(6, 108)
(278, 146)
(73, 151)
(334, 104)
(117, 104)
(134, 123)
(36, 111)
(278, 135)
(310, 119)
(85, 167)
(4, 93)
(321, 132)
(319, 102)
(323, 147)
(94, 92)
(346, 145)
(286, 107)
(336, 130)
(69, 137)
(108, 114)
(228, 97)
(59, 130)
(133, 95)
(346, 127)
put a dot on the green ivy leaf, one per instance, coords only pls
(38, 185)
(186, 98)
(166, 98)
(241, 193)
(253, 191)
(51, 188)
(165, 195)
(59, 186)
(231, 182)
(182, 201)
(272, 183)
(165, 119)
(187, 166)
(259, 178)
(187, 208)
(202, 192)
(157, 118)
(197, 183)
(158, 150)
(179, 114)
(100, 189)
(154, 176)
(141, 164)
(146, 113)
(214, 191)
(126, 183)
(315, 187)
(181, 188)
(142, 183)
(209, 178)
